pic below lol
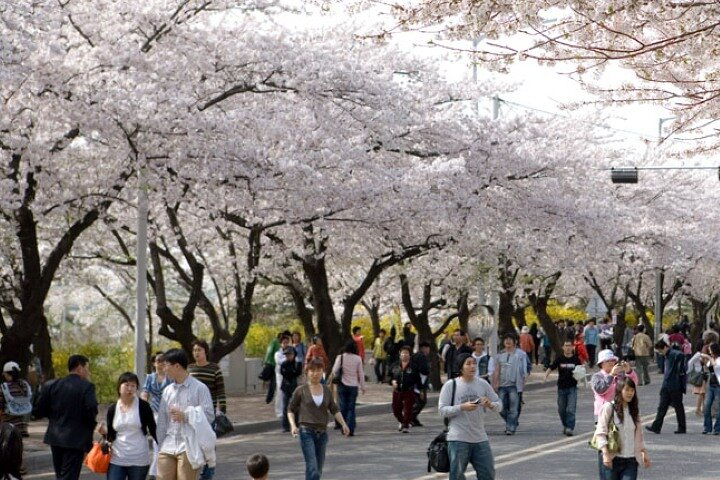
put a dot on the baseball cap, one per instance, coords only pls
(10, 366)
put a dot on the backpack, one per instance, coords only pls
(20, 405)
(437, 452)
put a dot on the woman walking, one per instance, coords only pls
(349, 366)
(317, 350)
(129, 420)
(624, 412)
(312, 402)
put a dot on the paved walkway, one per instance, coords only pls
(249, 414)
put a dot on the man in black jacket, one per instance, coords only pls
(71, 406)
(673, 387)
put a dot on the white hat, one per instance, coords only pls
(606, 355)
(525, 329)
(10, 366)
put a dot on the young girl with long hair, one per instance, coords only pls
(625, 413)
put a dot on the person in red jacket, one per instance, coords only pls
(580, 349)
(359, 341)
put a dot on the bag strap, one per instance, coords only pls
(452, 402)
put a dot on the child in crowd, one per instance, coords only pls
(258, 466)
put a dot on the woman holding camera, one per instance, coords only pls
(605, 380)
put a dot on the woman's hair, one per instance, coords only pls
(633, 405)
(316, 363)
(126, 378)
(11, 450)
(714, 349)
(351, 347)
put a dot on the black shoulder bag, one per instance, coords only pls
(437, 452)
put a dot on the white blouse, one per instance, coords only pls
(627, 434)
(130, 448)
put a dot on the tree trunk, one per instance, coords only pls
(539, 302)
(700, 310)
(373, 309)
(506, 308)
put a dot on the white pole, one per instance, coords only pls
(495, 107)
(141, 273)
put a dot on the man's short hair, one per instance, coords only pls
(661, 345)
(478, 339)
(198, 342)
(424, 343)
(175, 355)
(356, 329)
(257, 465)
(406, 347)
(641, 328)
(510, 335)
(76, 361)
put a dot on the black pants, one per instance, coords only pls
(67, 462)
(272, 385)
(668, 398)
(380, 370)
(591, 352)
(420, 402)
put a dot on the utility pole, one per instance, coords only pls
(141, 272)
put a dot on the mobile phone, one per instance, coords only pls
(477, 401)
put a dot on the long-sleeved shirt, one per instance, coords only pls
(310, 414)
(154, 389)
(466, 426)
(352, 370)
(190, 393)
(591, 335)
(631, 434)
(603, 385)
(211, 375)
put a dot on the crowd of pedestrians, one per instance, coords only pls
(178, 403)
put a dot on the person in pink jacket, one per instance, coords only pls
(605, 380)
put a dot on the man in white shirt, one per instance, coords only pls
(173, 463)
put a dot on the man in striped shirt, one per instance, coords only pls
(211, 375)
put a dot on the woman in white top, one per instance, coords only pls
(129, 420)
(625, 413)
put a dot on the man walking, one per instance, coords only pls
(482, 358)
(173, 419)
(464, 401)
(591, 336)
(458, 346)
(642, 346)
(71, 407)
(673, 387)
(508, 374)
(566, 385)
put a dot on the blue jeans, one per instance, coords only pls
(712, 394)
(478, 454)
(116, 472)
(347, 396)
(511, 406)
(622, 469)
(313, 443)
(567, 403)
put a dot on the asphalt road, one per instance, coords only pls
(538, 450)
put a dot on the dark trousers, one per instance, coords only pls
(380, 370)
(272, 385)
(420, 402)
(591, 352)
(402, 405)
(669, 398)
(67, 462)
